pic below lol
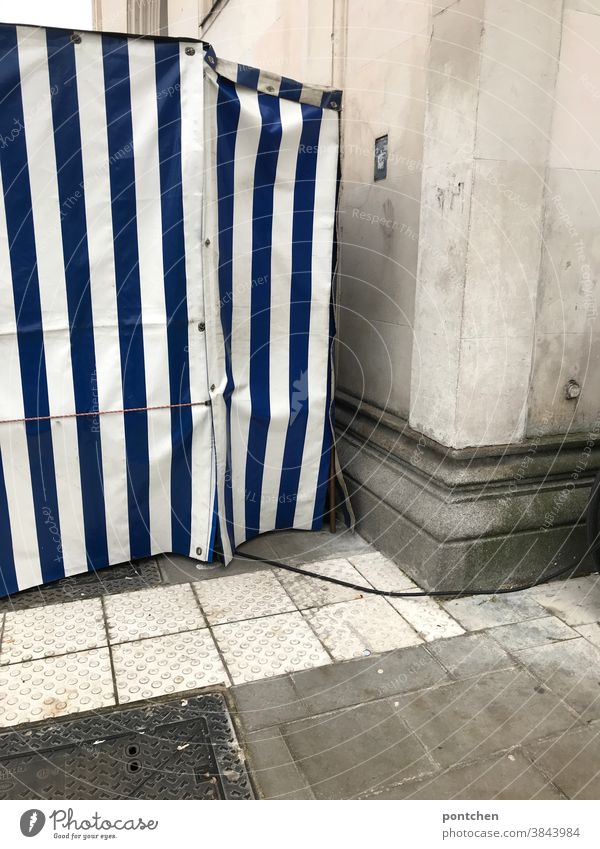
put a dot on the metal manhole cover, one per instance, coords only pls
(114, 579)
(180, 749)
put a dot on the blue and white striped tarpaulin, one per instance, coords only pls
(166, 249)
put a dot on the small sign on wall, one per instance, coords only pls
(381, 157)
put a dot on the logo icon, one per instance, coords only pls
(32, 822)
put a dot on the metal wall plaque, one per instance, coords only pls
(381, 157)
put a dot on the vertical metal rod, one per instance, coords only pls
(331, 499)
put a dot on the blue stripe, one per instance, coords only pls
(248, 76)
(30, 337)
(129, 303)
(301, 292)
(8, 573)
(265, 173)
(290, 89)
(69, 165)
(173, 241)
(228, 116)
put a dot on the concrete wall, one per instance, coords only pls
(491, 82)
(567, 340)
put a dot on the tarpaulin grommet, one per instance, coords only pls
(189, 51)
(75, 38)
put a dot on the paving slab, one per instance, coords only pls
(53, 630)
(168, 664)
(571, 669)
(362, 627)
(478, 717)
(273, 768)
(533, 632)
(427, 617)
(478, 612)
(590, 632)
(261, 648)
(260, 704)
(348, 753)
(234, 599)
(344, 684)
(152, 613)
(55, 686)
(470, 655)
(381, 572)
(309, 592)
(576, 601)
(506, 776)
(299, 547)
(571, 761)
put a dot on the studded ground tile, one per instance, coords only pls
(152, 613)
(55, 686)
(358, 628)
(242, 597)
(260, 648)
(165, 665)
(310, 592)
(57, 629)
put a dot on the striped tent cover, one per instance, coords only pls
(166, 240)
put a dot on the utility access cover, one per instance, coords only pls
(176, 749)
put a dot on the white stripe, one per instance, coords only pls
(94, 147)
(248, 136)
(37, 109)
(318, 345)
(13, 441)
(144, 116)
(281, 281)
(192, 158)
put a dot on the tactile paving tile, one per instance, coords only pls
(50, 631)
(55, 686)
(152, 613)
(166, 665)
(242, 597)
(311, 592)
(356, 628)
(381, 572)
(260, 648)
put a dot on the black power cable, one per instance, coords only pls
(395, 593)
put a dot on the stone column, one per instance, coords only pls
(490, 102)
